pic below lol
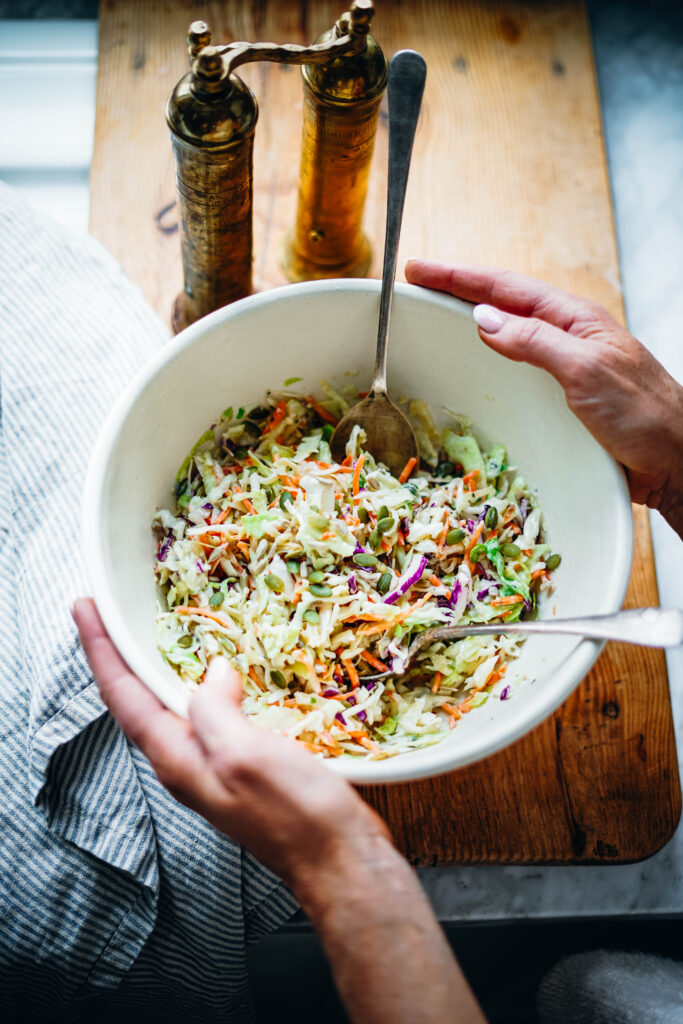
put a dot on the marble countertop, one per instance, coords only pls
(639, 58)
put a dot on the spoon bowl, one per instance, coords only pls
(389, 435)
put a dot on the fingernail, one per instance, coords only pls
(489, 318)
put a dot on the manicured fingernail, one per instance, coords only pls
(489, 318)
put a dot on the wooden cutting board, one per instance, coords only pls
(509, 169)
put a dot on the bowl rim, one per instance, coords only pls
(426, 762)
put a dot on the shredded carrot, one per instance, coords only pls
(401, 539)
(327, 535)
(369, 744)
(496, 675)
(221, 517)
(351, 672)
(375, 662)
(355, 481)
(441, 539)
(438, 679)
(315, 748)
(276, 418)
(469, 480)
(475, 537)
(511, 599)
(388, 623)
(434, 580)
(253, 675)
(244, 548)
(386, 546)
(322, 411)
(184, 609)
(535, 574)
(514, 529)
(450, 710)
(407, 470)
(347, 462)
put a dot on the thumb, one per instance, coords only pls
(529, 340)
(223, 685)
(215, 710)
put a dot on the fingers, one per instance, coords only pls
(515, 293)
(123, 693)
(530, 340)
(167, 740)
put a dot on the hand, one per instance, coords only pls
(304, 822)
(261, 789)
(618, 390)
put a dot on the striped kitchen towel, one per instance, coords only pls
(112, 895)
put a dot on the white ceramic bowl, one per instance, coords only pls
(324, 329)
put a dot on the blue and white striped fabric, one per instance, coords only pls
(110, 892)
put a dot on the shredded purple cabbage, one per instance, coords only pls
(330, 693)
(353, 585)
(340, 718)
(405, 524)
(523, 510)
(369, 685)
(362, 716)
(208, 505)
(456, 592)
(482, 514)
(199, 566)
(407, 579)
(163, 551)
(442, 601)
(505, 693)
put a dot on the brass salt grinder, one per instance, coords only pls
(212, 115)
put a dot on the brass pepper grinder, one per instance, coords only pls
(341, 108)
(212, 116)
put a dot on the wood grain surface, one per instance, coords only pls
(509, 169)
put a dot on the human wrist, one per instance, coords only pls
(351, 863)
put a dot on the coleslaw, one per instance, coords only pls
(310, 576)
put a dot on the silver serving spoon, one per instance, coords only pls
(648, 627)
(390, 437)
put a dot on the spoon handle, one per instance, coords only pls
(649, 627)
(407, 73)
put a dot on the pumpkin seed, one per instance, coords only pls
(363, 559)
(384, 582)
